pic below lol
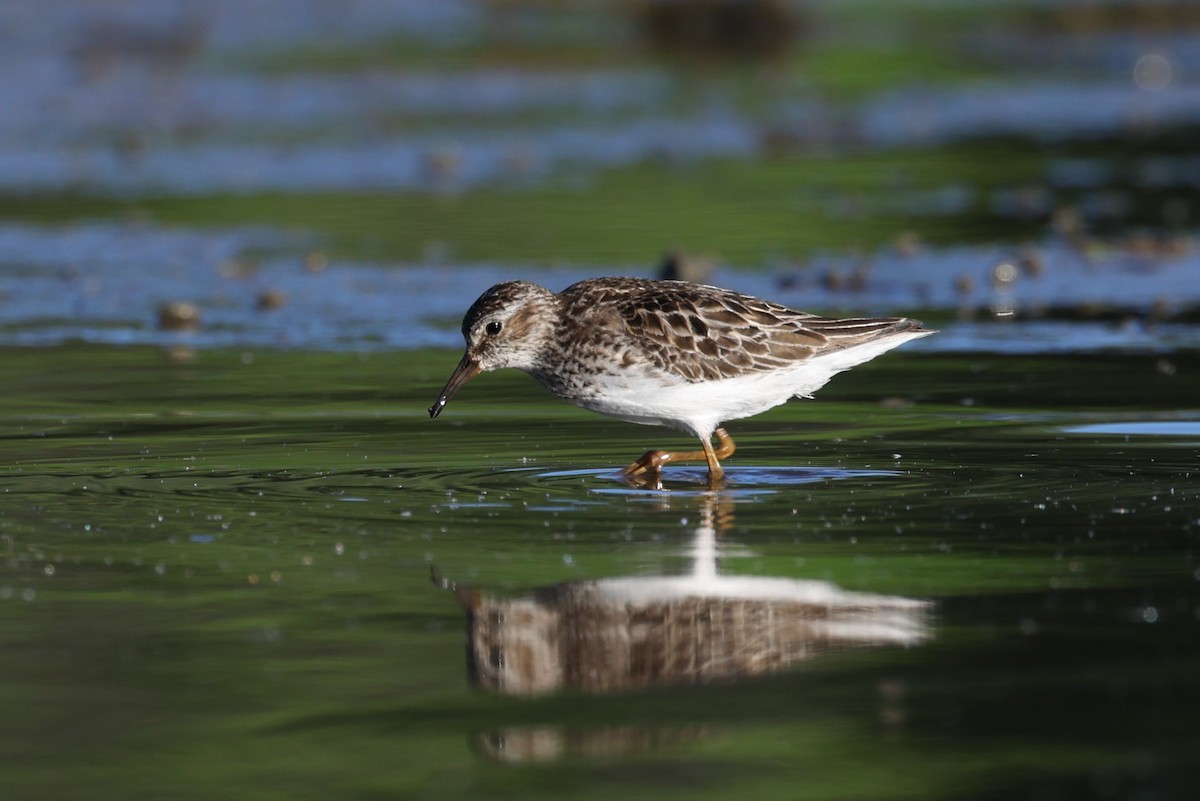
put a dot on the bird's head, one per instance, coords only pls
(507, 326)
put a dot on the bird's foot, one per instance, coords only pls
(646, 471)
(649, 463)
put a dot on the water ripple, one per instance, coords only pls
(739, 481)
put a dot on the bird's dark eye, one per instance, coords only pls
(492, 328)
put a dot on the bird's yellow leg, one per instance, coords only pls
(651, 462)
(725, 446)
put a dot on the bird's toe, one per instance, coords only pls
(650, 463)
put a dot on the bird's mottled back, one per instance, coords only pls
(704, 333)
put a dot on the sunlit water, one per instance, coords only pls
(106, 283)
(235, 576)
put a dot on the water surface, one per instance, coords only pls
(217, 580)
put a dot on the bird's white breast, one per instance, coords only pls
(653, 398)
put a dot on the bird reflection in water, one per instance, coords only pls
(628, 633)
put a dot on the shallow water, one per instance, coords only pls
(217, 580)
(104, 283)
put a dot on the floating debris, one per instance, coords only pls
(179, 316)
(833, 280)
(679, 266)
(1030, 261)
(270, 299)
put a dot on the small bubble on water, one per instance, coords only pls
(1152, 72)
(1149, 614)
(339, 548)
(48, 570)
(252, 578)
(28, 594)
(276, 576)
(568, 559)
(160, 569)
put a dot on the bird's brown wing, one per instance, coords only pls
(702, 333)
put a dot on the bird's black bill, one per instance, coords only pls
(466, 370)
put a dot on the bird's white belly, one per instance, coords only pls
(698, 408)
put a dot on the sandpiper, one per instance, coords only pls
(667, 353)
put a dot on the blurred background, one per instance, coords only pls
(262, 161)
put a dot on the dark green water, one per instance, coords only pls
(216, 580)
